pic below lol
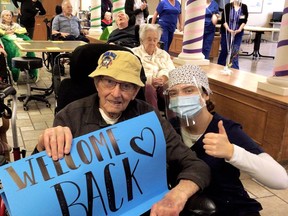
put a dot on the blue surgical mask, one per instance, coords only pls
(185, 106)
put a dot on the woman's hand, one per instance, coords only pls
(217, 144)
(8, 32)
(56, 141)
(159, 81)
(143, 6)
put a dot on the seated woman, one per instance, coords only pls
(9, 32)
(221, 143)
(107, 20)
(156, 62)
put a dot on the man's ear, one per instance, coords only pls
(96, 83)
(136, 92)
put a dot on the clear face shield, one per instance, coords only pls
(184, 101)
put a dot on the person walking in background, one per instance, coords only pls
(234, 18)
(169, 12)
(137, 10)
(211, 18)
(221, 143)
(27, 12)
(106, 5)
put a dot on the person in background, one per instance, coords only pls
(3, 66)
(156, 62)
(27, 12)
(221, 143)
(107, 21)
(137, 10)
(169, 12)
(211, 18)
(67, 25)
(106, 5)
(125, 35)
(232, 30)
(117, 81)
(9, 32)
(222, 4)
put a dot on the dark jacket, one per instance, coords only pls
(129, 10)
(128, 37)
(243, 16)
(83, 116)
(29, 10)
(226, 188)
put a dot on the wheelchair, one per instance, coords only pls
(48, 57)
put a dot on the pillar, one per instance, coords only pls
(95, 28)
(278, 83)
(193, 34)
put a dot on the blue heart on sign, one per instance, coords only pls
(145, 144)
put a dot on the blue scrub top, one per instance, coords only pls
(210, 10)
(168, 14)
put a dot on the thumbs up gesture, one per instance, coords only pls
(217, 144)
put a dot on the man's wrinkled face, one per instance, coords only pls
(114, 95)
(121, 19)
(67, 8)
(7, 17)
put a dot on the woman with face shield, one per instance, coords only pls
(221, 143)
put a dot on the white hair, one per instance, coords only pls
(144, 28)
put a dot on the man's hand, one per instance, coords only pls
(174, 201)
(64, 35)
(85, 31)
(56, 141)
(217, 144)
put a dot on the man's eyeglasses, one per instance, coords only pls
(124, 86)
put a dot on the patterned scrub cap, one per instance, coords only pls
(188, 74)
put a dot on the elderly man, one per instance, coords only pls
(125, 35)
(115, 102)
(68, 26)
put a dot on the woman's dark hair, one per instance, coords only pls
(209, 104)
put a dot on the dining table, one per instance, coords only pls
(257, 40)
(49, 46)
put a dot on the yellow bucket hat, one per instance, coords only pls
(120, 65)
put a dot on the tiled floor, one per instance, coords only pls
(32, 122)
